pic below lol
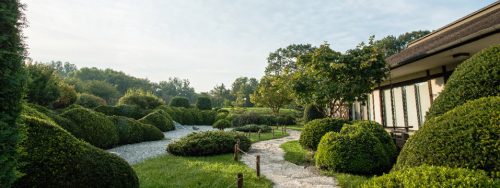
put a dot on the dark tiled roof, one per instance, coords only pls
(424, 48)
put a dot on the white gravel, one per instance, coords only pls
(283, 173)
(135, 153)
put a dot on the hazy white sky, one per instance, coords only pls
(215, 41)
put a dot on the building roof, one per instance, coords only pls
(469, 28)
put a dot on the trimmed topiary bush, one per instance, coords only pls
(204, 103)
(141, 98)
(129, 130)
(432, 176)
(385, 138)
(179, 102)
(355, 150)
(312, 112)
(151, 132)
(222, 124)
(208, 117)
(131, 111)
(314, 130)
(253, 128)
(478, 76)
(160, 119)
(208, 143)
(54, 158)
(91, 126)
(89, 100)
(467, 136)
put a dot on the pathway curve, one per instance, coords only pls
(283, 173)
(138, 152)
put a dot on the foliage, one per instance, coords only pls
(208, 143)
(220, 94)
(160, 119)
(254, 118)
(346, 180)
(272, 92)
(382, 135)
(63, 69)
(253, 128)
(132, 131)
(180, 102)
(284, 60)
(12, 83)
(467, 136)
(151, 132)
(204, 103)
(131, 111)
(92, 127)
(221, 116)
(43, 84)
(201, 172)
(241, 89)
(68, 96)
(314, 130)
(329, 78)
(295, 154)
(222, 124)
(54, 158)
(478, 76)
(101, 89)
(433, 176)
(391, 45)
(143, 99)
(190, 116)
(175, 87)
(89, 100)
(312, 112)
(122, 81)
(355, 149)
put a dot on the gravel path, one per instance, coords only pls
(283, 173)
(135, 153)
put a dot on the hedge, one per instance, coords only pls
(179, 102)
(208, 143)
(54, 158)
(467, 136)
(131, 111)
(221, 124)
(314, 130)
(253, 128)
(12, 82)
(92, 127)
(382, 135)
(478, 76)
(140, 98)
(190, 116)
(204, 103)
(132, 131)
(89, 100)
(254, 118)
(354, 150)
(159, 119)
(432, 176)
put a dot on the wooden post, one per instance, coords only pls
(258, 165)
(240, 180)
(273, 131)
(259, 133)
(284, 128)
(236, 150)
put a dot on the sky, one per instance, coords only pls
(211, 42)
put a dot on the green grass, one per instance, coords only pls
(260, 110)
(295, 127)
(294, 153)
(210, 171)
(254, 137)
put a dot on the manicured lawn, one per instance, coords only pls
(294, 153)
(211, 171)
(261, 110)
(295, 127)
(254, 137)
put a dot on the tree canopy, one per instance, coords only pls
(273, 92)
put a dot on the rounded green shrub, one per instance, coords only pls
(131, 111)
(478, 76)
(314, 130)
(204, 103)
(159, 119)
(467, 136)
(385, 138)
(89, 100)
(91, 126)
(151, 133)
(355, 150)
(312, 112)
(54, 158)
(140, 98)
(221, 116)
(208, 116)
(223, 111)
(208, 143)
(253, 128)
(180, 102)
(432, 176)
(129, 130)
(222, 124)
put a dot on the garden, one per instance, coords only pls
(63, 126)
